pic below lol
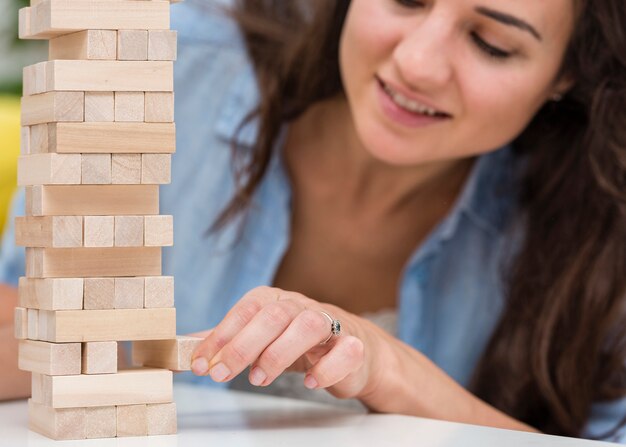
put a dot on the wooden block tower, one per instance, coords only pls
(97, 137)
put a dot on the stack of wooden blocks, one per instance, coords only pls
(97, 138)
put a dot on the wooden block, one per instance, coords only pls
(156, 168)
(20, 323)
(132, 420)
(159, 107)
(129, 106)
(99, 107)
(49, 169)
(58, 424)
(24, 140)
(49, 231)
(159, 231)
(53, 359)
(99, 231)
(92, 262)
(159, 291)
(34, 79)
(161, 419)
(132, 45)
(99, 357)
(52, 106)
(51, 294)
(162, 45)
(169, 354)
(129, 231)
(104, 76)
(51, 18)
(84, 45)
(67, 326)
(42, 323)
(126, 169)
(32, 316)
(96, 169)
(24, 23)
(129, 293)
(101, 422)
(128, 387)
(83, 200)
(99, 293)
(107, 138)
(39, 139)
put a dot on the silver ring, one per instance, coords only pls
(335, 327)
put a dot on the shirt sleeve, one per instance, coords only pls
(12, 259)
(606, 422)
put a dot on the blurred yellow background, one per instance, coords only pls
(9, 151)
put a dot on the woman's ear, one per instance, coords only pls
(561, 87)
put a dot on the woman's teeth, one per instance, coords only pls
(409, 104)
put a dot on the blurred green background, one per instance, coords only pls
(14, 55)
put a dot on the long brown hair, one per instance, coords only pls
(561, 342)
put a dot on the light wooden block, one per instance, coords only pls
(99, 107)
(24, 23)
(42, 323)
(126, 169)
(51, 294)
(159, 231)
(51, 18)
(53, 359)
(100, 422)
(83, 200)
(99, 231)
(84, 45)
(59, 424)
(159, 291)
(129, 293)
(24, 140)
(96, 169)
(162, 419)
(92, 262)
(156, 168)
(34, 79)
(132, 45)
(52, 106)
(49, 231)
(99, 293)
(129, 231)
(169, 354)
(49, 169)
(108, 138)
(99, 357)
(159, 107)
(129, 106)
(67, 326)
(132, 420)
(20, 323)
(38, 139)
(128, 387)
(32, 317)
(162, 45)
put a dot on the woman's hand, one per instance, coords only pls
(274, 330)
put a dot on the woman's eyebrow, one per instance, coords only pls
(508, 19)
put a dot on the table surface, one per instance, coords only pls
(209, 417)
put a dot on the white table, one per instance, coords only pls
(218, 418)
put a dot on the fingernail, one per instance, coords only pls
(219, 372)
(200, 366)
(257, 376)
(310, 382)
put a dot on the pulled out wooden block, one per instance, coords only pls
(159, 107)
(129, 293)
(172, 354)
(82, 200)
(52, 106)
(96, 169)
(99, 107)
(67, 326)
(20, 323)
(159, 231)
(51, 294)
(129, 106)
(129, 231)
(24, 23)
(84, 45)
(128, 387)
(92, 262)
(100, 422)
(99, 293)
(159, 292)
(132, 420)
(53, 359)
(49, 231)
(161, 419)
(33, 324)
(99, 231)
(132, 45)
(59, 424)
(156, 168)
(126, 169)
(162, 45)
(99, 357)
(49, 169)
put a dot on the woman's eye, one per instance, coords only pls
(410, 3)
(490, 50)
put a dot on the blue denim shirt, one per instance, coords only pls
(451, 295)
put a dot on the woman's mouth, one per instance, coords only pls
(408, 104)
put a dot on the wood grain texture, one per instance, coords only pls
(99, 293)
(96, 169)
(25, 140)
(129, 106)
(129, 231)
(159, 107)
(51, 294)
(49, 169)
(159, 291)
(20, 323)
(172, 354)
(84, 45)
(156, 168)
(126, 169)
(52, 107)
(49, 231)
(38, 139)
(132, 420)
(100, 422)
(53, 359)
(132, 45)
(129, 293)
(161, 419)
(159, 231)
(99, 231)
(99, 357)
(59, 424)
(99, 107)
(162, 45)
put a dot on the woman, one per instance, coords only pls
(380, 109)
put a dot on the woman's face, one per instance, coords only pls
(484, 67)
